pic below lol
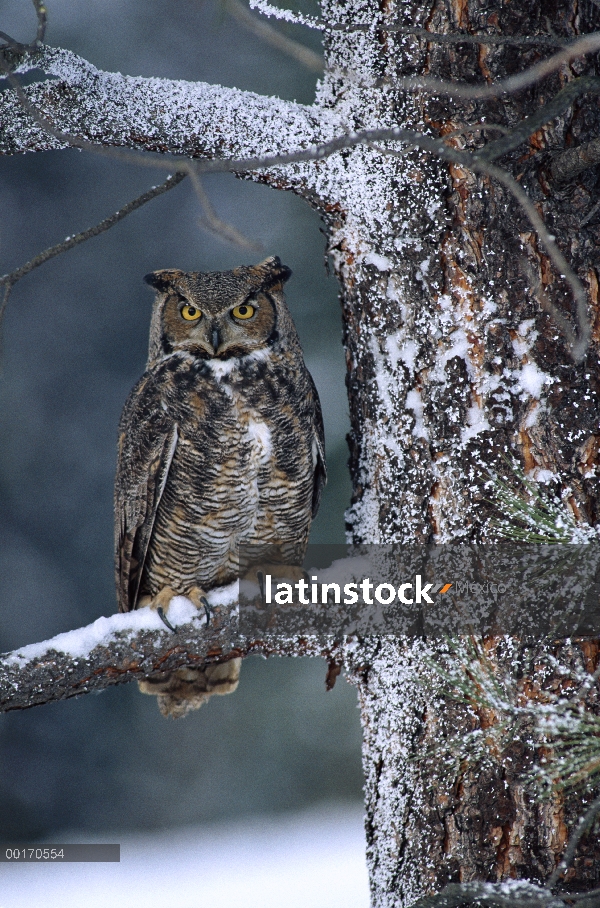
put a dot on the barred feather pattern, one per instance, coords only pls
(219, 448)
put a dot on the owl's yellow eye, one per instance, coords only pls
(244, 311)
(190, 313)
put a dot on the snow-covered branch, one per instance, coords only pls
(243, 132)
(130, 647)
(275, 38)
(184, 118)
(382, 23)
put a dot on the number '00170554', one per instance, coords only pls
(34, 854)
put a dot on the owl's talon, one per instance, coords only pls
(207, 609)
(164, 619)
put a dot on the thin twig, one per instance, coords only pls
(9, 280)
(42, 21)
(589, 215)
(267, 9)
(214, 223)
(275, 38)
(526, 127)
(586, 45)
(477, 163)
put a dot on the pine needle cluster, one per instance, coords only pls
(531, 516)
(561, 727)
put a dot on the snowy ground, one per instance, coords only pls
(310, 860)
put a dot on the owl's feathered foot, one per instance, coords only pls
(186, 689)
(161, 602)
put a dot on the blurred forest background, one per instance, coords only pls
(74, 342)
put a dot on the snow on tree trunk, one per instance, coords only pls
(453, 359)
(452, 363)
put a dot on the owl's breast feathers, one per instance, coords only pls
(213, 453)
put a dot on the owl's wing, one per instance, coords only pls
(320, 474)
(147, 443)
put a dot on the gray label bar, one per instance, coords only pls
(435, 590)
(58, 854)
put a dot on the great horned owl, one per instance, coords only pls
(220, 444)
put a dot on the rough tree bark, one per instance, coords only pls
(444, 329)
(453, 359)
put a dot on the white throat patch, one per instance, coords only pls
(223, 367)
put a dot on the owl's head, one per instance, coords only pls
(220, 314)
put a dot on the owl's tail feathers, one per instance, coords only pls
(186, 689)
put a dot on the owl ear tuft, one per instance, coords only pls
(274, 272)
(161, 280)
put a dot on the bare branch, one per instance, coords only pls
(213, 222)
(559, 103)
(130, 647)
(9, 280)
(586, 45)
(567, 165)
(42, 21)
(267, 9)
(275, 38)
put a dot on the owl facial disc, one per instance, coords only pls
(226, 314)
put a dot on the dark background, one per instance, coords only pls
(74, 342)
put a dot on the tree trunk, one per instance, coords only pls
(452, 364)
(454, 360)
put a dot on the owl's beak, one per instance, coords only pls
(216, 338)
